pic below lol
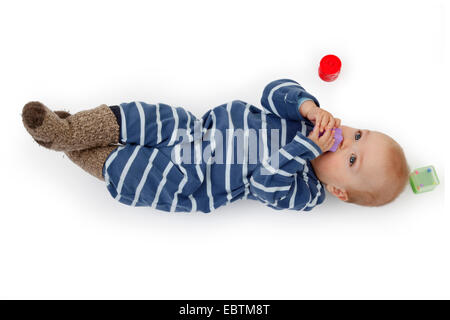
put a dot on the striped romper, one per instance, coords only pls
(170, 160)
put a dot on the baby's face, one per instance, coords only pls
(357, 163)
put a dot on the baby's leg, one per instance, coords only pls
(91, 160)
(64, 132)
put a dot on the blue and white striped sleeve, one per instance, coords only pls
(282, 182)
(283, 98)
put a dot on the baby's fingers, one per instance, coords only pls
(329, 142)
(330, 123)
(314, 133)
(337, 122)
(326, 121)
(327, 135)
(318, 121)
(322, 121)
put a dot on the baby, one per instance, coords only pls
(166, 158)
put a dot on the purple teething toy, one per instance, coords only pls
(337, 139)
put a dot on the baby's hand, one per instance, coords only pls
(323, 119)
(325, 142)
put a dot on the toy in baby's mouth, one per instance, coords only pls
(337, 139)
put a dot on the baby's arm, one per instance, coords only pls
(282, 182)
(289, 100)
(283, 98)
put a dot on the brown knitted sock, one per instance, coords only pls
(91, 160)
(62, 114)
(83, 130)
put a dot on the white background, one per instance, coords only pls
(63, 236)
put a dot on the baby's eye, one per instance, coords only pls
(352, 159)
(358, 135)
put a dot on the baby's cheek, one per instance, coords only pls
(325, 162)
(334, 162)
(329, 157)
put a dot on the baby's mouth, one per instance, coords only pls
(340, 144)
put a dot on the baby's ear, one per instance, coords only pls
(337, 192)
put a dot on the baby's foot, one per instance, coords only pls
(43, 124)
(62, 114)
(62, 131)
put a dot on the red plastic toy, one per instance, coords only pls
(329, 68)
